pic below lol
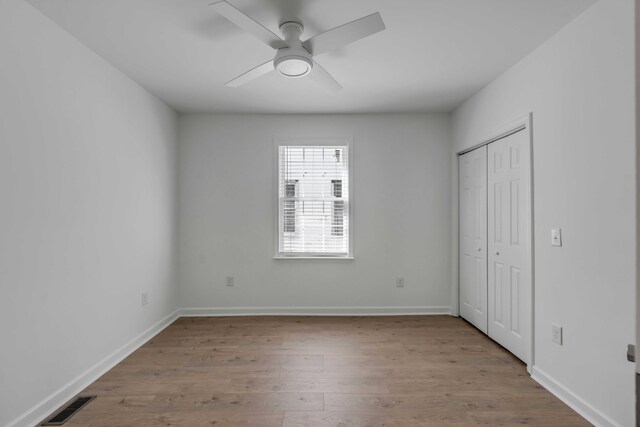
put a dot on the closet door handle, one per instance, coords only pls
(497, 253)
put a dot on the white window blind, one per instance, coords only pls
(313, 193)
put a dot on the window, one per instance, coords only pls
(313, 199)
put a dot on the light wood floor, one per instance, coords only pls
(321, 371)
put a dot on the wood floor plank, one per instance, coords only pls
(424, 419)
(440, 369)
(315, 385)
(321, 371)
(198, 419)
(191, 373)
(237, 359)
(432, 401)
(332, 419)
(154, 387)
(188, 403)
(373, 419)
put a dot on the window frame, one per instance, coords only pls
(301, 142)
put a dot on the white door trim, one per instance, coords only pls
(523, 123)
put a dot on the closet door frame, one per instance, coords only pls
(523, 124)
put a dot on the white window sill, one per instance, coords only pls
(326, 258)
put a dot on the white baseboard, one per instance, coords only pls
(58, 398)
(314, 311)
(587, 411)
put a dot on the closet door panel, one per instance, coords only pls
(509, 258)
(473, 237)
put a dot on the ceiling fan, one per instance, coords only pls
(295, 58)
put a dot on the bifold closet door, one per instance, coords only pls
(473, 237)
(509, 257)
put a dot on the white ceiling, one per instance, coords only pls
(433, 55)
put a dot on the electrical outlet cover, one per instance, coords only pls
(556, 237)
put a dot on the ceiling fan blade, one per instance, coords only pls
(252, 74)
(345, 34)
(323, 78)
(248, 24)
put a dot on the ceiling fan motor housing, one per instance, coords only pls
(294, 60)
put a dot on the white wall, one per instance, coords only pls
(401, 205)
(637, 44)
(580, 87)
(88, 219)
(637, 15)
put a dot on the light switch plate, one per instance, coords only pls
(556, 334)
(556, 237)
